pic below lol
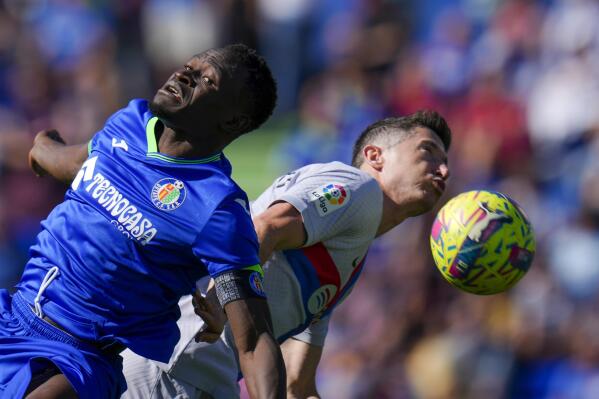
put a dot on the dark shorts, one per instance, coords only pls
(27, 343)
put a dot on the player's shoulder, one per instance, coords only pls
(218, 201)
(337, 170)
(328, 189)
(138, 106)
(235, 194)
(338, 176)
(231, 209)
(220, 188)
(125, 130)
(136, 110)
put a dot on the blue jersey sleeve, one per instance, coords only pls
(228, 241)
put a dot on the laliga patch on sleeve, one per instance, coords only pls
(329, 198)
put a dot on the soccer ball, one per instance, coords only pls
(482, 242)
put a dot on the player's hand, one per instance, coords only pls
(213, 316)
(40, 144)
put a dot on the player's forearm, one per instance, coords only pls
(303, 395)
(301, 361)
(302, 387)
(263, 369)
(260, 356)
(302, 391)
(58, 160)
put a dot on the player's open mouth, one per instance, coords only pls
(172, 91)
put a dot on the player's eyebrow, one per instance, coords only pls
(215, 60)
(216, 68)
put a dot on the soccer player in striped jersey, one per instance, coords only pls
(151, 209)
(314, 226)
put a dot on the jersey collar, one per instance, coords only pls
(153, 148)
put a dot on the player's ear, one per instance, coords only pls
(236, 125)
(373, 155)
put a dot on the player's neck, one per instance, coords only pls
(391, 217)
(392, 214)
(177, 144)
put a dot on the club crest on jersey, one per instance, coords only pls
(168, 194)
(257, 284)
(329, 198)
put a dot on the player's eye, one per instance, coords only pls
(187, 67)
(207, 80)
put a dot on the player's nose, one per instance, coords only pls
(184, 78)
(443, 171)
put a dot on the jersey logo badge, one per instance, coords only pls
(168, 194)
(321, 298)
(257, 284)
(329, 198)
(120, 144)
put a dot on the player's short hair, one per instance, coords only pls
(401, 128)
(260, 86)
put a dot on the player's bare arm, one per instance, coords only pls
(301, 361)
(50, 155)
(259, 354)
(279, 227)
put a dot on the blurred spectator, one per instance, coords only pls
(173, 29)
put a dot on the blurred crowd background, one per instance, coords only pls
(518, 82)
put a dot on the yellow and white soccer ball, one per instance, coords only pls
(482, 242)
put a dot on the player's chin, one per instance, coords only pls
(429, 199)
(163, 109)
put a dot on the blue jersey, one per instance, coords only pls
(136, 230)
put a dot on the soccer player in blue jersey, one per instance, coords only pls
(152, 210)
(314, 226)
